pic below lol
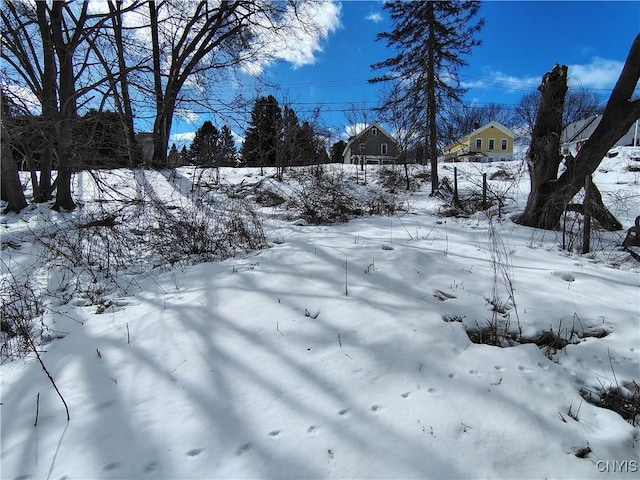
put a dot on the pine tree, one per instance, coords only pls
(307, 145)
(289, 151)
(204, 150)
(173, 158)
(262, 137)
(336, 151)
(227, 147)
(430, 38)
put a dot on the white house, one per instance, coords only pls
(575, 134)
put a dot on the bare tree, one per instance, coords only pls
(62, 31)
(461, 120)
(551, 194)
(11, 186)
(406, 127)
(578, 104)
(359, 120)
(27, 49)
(193, 45)
(122, 95)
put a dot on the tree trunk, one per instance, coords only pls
(123, 77)
(550, 196)
(49, 109)
(11, 186)
(543, 157)
(432, 133)
(64, 125)
(159, 125)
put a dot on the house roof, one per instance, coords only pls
(353, 139)
(493, 124)
(581, 130)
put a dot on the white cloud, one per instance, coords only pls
(374, 17)
(23, 98)
(300, 39)
(355, 129)
(188, 116)
(601, 73)
(182, 138)
(500, 80)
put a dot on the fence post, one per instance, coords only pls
(484, 191)
(455, 186)
(586, 241)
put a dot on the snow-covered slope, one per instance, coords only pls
(328, 355)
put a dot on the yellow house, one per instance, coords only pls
(491, 143)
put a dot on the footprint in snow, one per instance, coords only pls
(376, 408)
(499, 368)
(343, 412)
(312, 429)
(244, 449)
(405, 394)
(194, 452)
(566, 276)
(274, 433)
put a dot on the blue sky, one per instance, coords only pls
(521, 41)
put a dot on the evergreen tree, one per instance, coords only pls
(430, 38)
(97, 140)
(172, 158)
(308, 146)
(289, 151)
(336, 151)
(204, 150)
(227, 147)
(262, 136)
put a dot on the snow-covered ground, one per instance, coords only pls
(327, 355)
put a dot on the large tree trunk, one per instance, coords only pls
(49, 106)
(64, 125)
(159, 126)
(11, 186)
(543, 157)
(126, 111)
(549, 195)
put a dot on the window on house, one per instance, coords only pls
(384, 149)
(504, 144)
(492, 144)
(374, 131)
(362, 147)
(478, 144)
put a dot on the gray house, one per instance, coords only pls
(373, 146)
(576, 133)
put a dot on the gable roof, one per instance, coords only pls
(580, 131)
(354, 138)
(494, 124)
